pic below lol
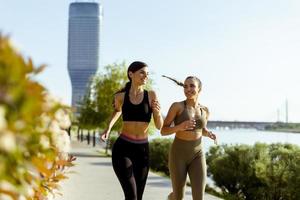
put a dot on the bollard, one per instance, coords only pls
(78, 133)
(88, 137)
(94, 138)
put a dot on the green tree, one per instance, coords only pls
(88, 117)
(105, 85)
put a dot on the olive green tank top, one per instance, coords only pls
(187, 114)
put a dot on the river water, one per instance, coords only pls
(245, 136)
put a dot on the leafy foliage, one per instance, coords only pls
(32, 136)
(259, 172)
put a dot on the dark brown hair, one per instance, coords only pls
(133, 67)
(175, 80)
(181, 83)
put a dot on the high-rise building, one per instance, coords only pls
(83, 46)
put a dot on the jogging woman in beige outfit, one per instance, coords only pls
(186, 155)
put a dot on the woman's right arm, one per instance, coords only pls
(118, 101)
(167, 129)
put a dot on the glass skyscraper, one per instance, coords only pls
(83, 46)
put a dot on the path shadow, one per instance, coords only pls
(157, 181)
(155, 178)
(101, 163)
(77, 154)
(159, 184)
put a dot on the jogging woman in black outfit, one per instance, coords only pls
(130, 154)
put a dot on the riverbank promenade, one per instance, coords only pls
(93, 178)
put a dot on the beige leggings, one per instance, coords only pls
(187, 157)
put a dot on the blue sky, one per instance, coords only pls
(245, 52)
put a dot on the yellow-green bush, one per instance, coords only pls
(33, 143)
(260, 171)
(159, 154)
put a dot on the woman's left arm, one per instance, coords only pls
(154, 103)
(205, 131)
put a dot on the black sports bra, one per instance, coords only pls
(136, 112)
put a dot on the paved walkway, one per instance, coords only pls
(95, 179)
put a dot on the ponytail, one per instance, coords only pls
(176, 81)
(181, 84)
(126, 88)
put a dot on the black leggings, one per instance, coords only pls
(131, 164)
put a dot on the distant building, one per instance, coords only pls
(83, 46)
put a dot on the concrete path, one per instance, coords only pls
(94, 179)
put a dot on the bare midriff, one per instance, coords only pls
(188, 135)
(135, 130)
